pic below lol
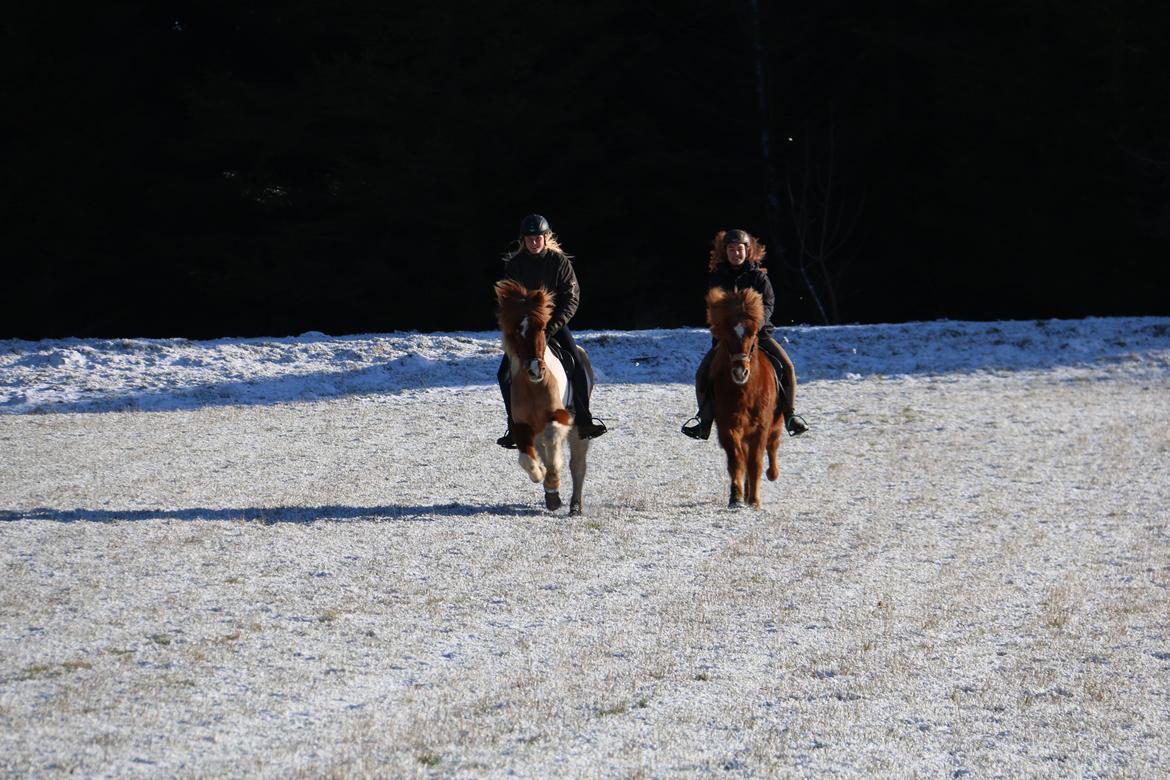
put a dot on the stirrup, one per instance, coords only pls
(506, 441)
(795, 424)
(592, 429)
(695, 431)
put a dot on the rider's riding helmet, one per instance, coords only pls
(534, 225)
(737, 237)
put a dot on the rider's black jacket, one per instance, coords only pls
(747, 276)
(552, 271)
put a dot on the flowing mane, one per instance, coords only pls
(725, 310)
(518, 304)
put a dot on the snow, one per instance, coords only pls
(77, 375)
(306, 556)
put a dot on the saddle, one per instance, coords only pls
(562, 355)
(569, 362)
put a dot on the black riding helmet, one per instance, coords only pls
(737, 237)
(534, 225)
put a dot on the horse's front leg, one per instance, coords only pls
(733, 445)
(755, 465)
(529, 459)
(550, 452)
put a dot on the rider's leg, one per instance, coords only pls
(587, 427)
(793, 422)
(504, 377)
(701, 429)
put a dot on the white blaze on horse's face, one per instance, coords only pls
(524, 328)
(535, 371)
(741, 362)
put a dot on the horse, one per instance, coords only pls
(540, 421)
(745, 392)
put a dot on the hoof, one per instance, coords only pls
(734, 504)
(552, 501)
(575, 509)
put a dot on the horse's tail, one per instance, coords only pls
(560, 416)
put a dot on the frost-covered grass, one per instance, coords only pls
(306, 557)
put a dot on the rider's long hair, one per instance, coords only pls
(550, 241)
(718, 255)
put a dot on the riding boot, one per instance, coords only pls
(507, 441)
(699, 426)
(504, 377)
(795, 424)
(587, 427)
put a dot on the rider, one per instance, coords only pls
(736, 263)
(539, 261)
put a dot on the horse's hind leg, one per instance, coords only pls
(578, 449)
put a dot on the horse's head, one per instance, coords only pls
(735, 319)
(523, 314)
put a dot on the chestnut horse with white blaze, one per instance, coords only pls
(746, 414)
(540, 421)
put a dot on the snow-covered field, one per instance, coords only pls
(306, 557)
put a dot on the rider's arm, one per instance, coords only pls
(769, 297)
(568, 295)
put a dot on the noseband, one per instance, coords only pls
(536, 370)
(745, 357)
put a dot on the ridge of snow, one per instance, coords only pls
(100, 375)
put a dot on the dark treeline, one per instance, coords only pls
(244, 168)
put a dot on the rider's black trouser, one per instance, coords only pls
(563, 337)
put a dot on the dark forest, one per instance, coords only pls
(234, 169)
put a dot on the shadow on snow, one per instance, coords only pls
(271, 515)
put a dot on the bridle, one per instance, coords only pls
(741, 362)
(746, 357)
(535, 366)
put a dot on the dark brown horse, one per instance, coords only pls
(540, 420)
(745, 392)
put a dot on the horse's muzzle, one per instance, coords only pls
(536, 372)
(740, 368)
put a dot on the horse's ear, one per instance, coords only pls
(714, 295)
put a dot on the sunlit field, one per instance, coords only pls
(958, 572)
